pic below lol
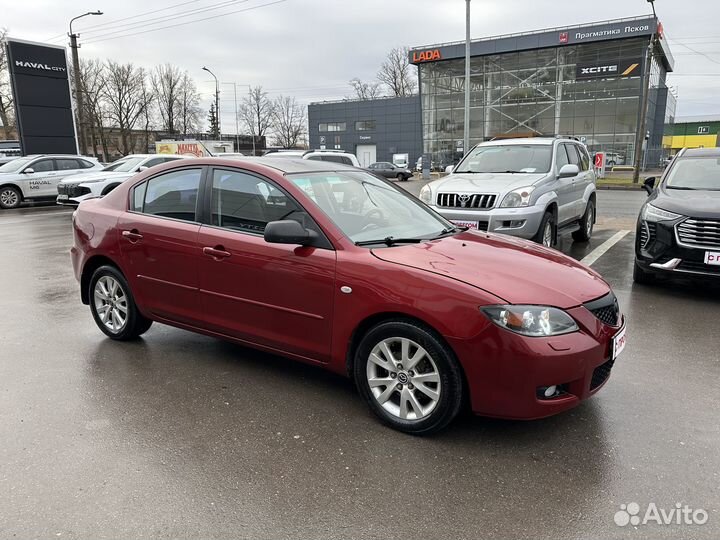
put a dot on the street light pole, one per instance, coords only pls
(466, 131)
(640, 137)
(217, 104)
(237, 117)
(76, 74)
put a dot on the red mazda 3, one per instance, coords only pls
(335, 267)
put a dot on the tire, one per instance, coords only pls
(541, 235)
(400, 404)
(108, 282)
(642, 277)
(587, 223)
(401, 177)
(10, 197)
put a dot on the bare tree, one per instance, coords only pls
(147, 96)
(396, 73)
(167, 80)
(365, 90)
(256, 112)
(123, 94)
(92, 81)
(288, 122)
(7, 117)
(188, 106)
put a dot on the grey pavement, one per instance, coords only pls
(181, 435)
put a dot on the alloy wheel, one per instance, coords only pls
(111, 303)
(590, 220)
(403, 378)
(9, 197)
(547, 235)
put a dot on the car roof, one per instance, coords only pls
(540, 141)
(33, 156)
(701, 152)
(284, 165)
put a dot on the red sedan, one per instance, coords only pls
(335, 267)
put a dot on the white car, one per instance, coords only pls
(36, 177)
(333, 156)
(72, 191)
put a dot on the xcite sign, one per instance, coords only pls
(609, 69)
(425, 56)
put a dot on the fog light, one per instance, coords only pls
(550, 391)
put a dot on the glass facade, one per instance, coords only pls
(541, 92)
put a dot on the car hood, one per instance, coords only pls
(697, 204)
(484, 182)
(518, 271)
(96, 177)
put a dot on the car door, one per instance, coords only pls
(564, 187)
(276, 295)
(581, 181)
(42, 182)
(159, 236)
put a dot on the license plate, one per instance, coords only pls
(63, 197)
(468, 224)
(712, 258)
(618, 343)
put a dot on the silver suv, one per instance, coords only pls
(535, 188)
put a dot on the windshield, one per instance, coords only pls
(695, 173)
(15, 165)
(125, 165)
(530, 158)
(367, 208)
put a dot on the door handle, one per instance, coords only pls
(133, 235)
(218, 252)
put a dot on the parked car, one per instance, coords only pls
(388, 170)
(418, 165)
(302, 259)
(678, 230)
(536, 188)
(36, 177)
(72, 191)
(613, 158)
(331, 156)
(665, 163)
(7, 159)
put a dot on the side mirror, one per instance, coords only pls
(449, 169)
(568, 171)
(142, 168)
(649, 184)
(288, 232)
(29, 170)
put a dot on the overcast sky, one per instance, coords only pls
(311, 48)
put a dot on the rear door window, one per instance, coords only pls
(67, 164)
(173, 194)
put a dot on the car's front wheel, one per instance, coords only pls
(408, 377)
(10, 197)
(586, 224)
(546, 232)
(113, 306)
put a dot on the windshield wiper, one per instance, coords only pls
(390, 241)
(450, 230)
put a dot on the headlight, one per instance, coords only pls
(653, 213)
(533, 321)
(426, 194)
(517, 198)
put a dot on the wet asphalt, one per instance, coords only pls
(180, 435)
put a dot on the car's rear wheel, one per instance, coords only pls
(401, 177)
(408, 377)
(586, 224)
(546, 232)
(113, 306)
(641, 276)
(10, 197)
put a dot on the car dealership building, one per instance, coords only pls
(585, 81)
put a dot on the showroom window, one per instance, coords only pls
(365, 125)
(173, 194)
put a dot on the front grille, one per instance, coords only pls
(691, 266)
(73, 190)
(62, 189)
(466, 200)
(648, 231)
(606, 309)
(601, 374)
(700, 232)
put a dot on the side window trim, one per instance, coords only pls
(200, 198)
(207, 185)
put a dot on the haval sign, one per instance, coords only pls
(425, 56)
(38, 65)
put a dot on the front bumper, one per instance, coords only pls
(505, 370)
(658, 251)
(521, 222)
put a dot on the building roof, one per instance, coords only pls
(697, 119)
(546, 38)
